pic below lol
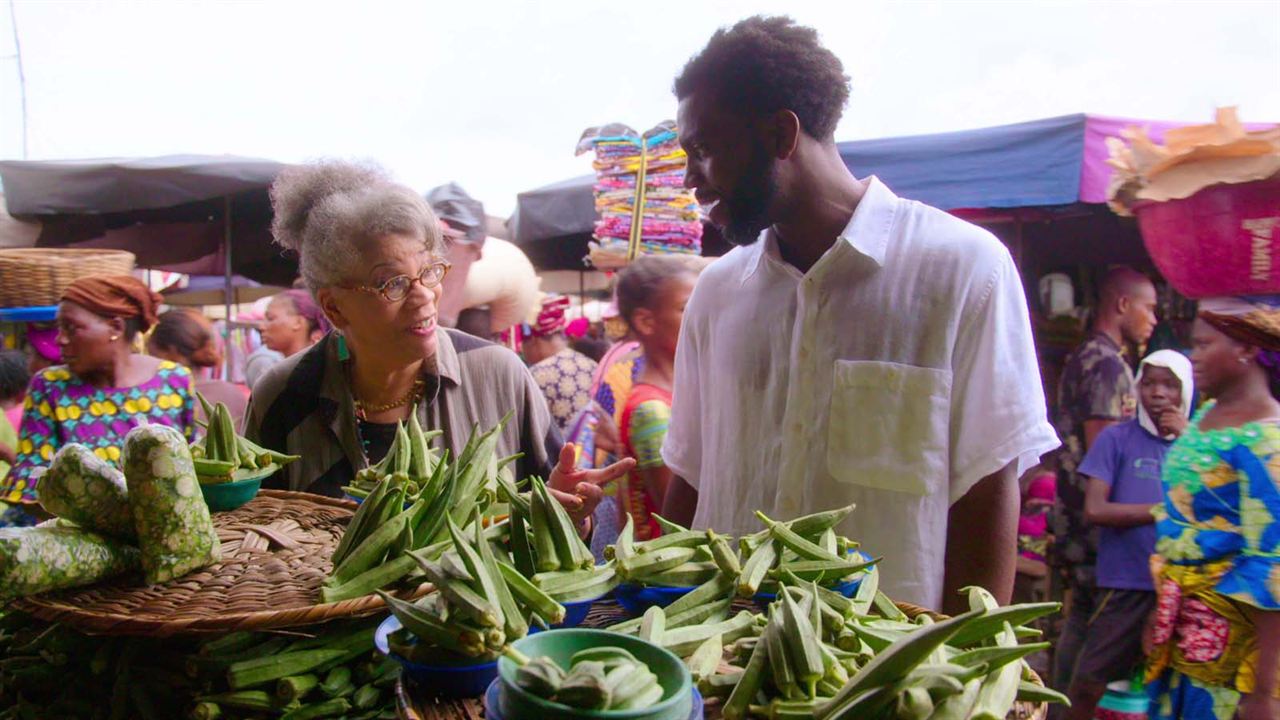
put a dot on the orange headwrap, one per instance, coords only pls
(121, 296)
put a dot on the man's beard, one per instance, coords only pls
(748, 209)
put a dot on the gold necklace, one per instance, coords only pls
(414, 394)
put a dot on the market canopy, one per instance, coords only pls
(169, 211)
(1055, 161)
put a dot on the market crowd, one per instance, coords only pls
(853, 347)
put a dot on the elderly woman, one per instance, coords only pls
(104, 388)
(370, 251)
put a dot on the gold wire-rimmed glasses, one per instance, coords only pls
(397, 288)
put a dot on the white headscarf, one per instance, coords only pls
(1180, 366)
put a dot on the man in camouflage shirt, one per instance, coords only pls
(1096, 390)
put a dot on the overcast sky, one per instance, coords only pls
(494, 94)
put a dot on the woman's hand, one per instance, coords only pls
(580, 491)
(1171, 422)
(8, 454)
(607, 437)
(1257, 706)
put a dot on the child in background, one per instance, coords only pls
(13, 390)
(652, 293)
(1124, 466)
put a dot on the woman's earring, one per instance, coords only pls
(115, 338)
(1244, 361)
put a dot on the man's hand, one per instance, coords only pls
(580, 491)
(1171, 422)
(982, 540)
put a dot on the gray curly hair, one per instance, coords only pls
(326, 211)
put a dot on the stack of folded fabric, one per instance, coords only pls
(641, 174)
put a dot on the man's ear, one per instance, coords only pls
(786, 134)
(329, 303)
(1123, 303)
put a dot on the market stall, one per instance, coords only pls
(175, 588)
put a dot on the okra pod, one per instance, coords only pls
(295, 687)
(706, 658)
(748, 684)
(716, 588)
(637, 566)
(890, 665)
(332, 707)
(756, 567)
(370, 580)
(726, 558)
(652, 625)
(716, 611)
(531, 595)
(514, 622)
(794, 542)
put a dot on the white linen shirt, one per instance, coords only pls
(895, 374)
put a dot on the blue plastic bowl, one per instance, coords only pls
(846, 589)
(635, 599)
(493, 706)
(447, 681)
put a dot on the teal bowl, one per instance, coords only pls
(560, 646)
(221, 497)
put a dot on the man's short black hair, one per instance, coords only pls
(765, 64)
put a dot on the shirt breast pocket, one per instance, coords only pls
(890, 426)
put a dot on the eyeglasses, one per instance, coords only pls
(397, 288)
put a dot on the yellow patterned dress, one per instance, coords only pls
(61, 408)
(1217, 556)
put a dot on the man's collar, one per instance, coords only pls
(867, 232)
(447, 366)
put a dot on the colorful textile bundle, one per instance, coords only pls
(643, 173)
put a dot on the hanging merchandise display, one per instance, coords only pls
(640, 197)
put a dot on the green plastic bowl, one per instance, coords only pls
(560, 645)
(221, 497)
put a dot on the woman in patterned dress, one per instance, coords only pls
(1213, 642)
(104, 389)
(562, 373)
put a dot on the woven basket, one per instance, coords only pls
(276, 552)
(37, 276)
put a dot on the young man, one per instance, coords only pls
(1095, 392)
(1123, 467)
(858, 347)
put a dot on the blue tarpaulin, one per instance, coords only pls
(1025, 164)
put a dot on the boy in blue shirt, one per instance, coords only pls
(1123, 467)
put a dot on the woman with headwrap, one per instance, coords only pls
(1123, 468)
(104, 388)
(1213, 641)
(563, 374)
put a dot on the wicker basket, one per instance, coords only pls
(276, 552)
(37, 276)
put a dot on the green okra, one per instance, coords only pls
(720, 586)
(794, 542)
(756, 567)
(748, 684)
(894, 662)
(652, 625)
(705, 660)
(637, 566)
(531, 595)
